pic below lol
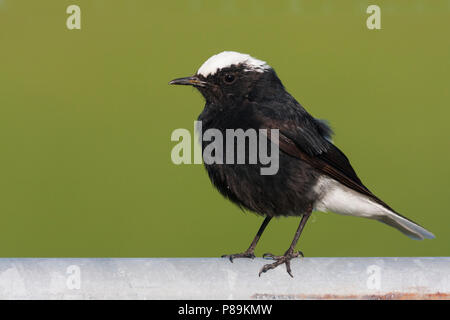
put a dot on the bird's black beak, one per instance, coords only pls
(189, 81)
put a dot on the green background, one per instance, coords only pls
(86, 118)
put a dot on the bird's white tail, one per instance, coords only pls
(335, 197)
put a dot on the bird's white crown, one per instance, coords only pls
(229, 58)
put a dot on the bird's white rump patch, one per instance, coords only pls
(335, 197)
(229, 58)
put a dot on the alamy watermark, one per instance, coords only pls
(73, 281)
(73, 22)
(374, 279)
(228, 146)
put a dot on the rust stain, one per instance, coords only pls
(384, 296)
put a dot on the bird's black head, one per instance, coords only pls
(231, 77)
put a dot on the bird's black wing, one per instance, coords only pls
(306, 138)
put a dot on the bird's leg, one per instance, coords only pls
(289, 254)
(250, 252)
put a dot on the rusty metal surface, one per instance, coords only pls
(384, 296)
(210, 278)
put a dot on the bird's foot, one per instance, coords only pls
(247, 254)
(286, 259)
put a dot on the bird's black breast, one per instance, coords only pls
(288, 192)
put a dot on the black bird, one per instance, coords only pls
(244, 92)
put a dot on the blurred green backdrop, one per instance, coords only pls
(86, 117)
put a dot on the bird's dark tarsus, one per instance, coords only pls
(290, 253)
(250, 252)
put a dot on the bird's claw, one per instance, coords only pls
(286, 259)
(246, 254)
(269, 256)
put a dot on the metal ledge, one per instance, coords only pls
(212, 278)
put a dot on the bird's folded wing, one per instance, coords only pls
(329, 160)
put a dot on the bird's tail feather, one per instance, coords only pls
(404, 225)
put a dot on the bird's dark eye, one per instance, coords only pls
(229, 78)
